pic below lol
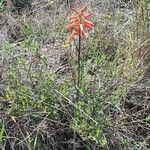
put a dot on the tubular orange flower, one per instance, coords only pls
(71, 37)
(79, 22)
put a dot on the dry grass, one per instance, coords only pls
(37, 93)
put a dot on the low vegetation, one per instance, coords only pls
(38, 105)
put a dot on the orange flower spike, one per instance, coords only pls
(78, 22)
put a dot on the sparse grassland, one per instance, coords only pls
(38, 108)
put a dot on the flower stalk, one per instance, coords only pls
(79, 23)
